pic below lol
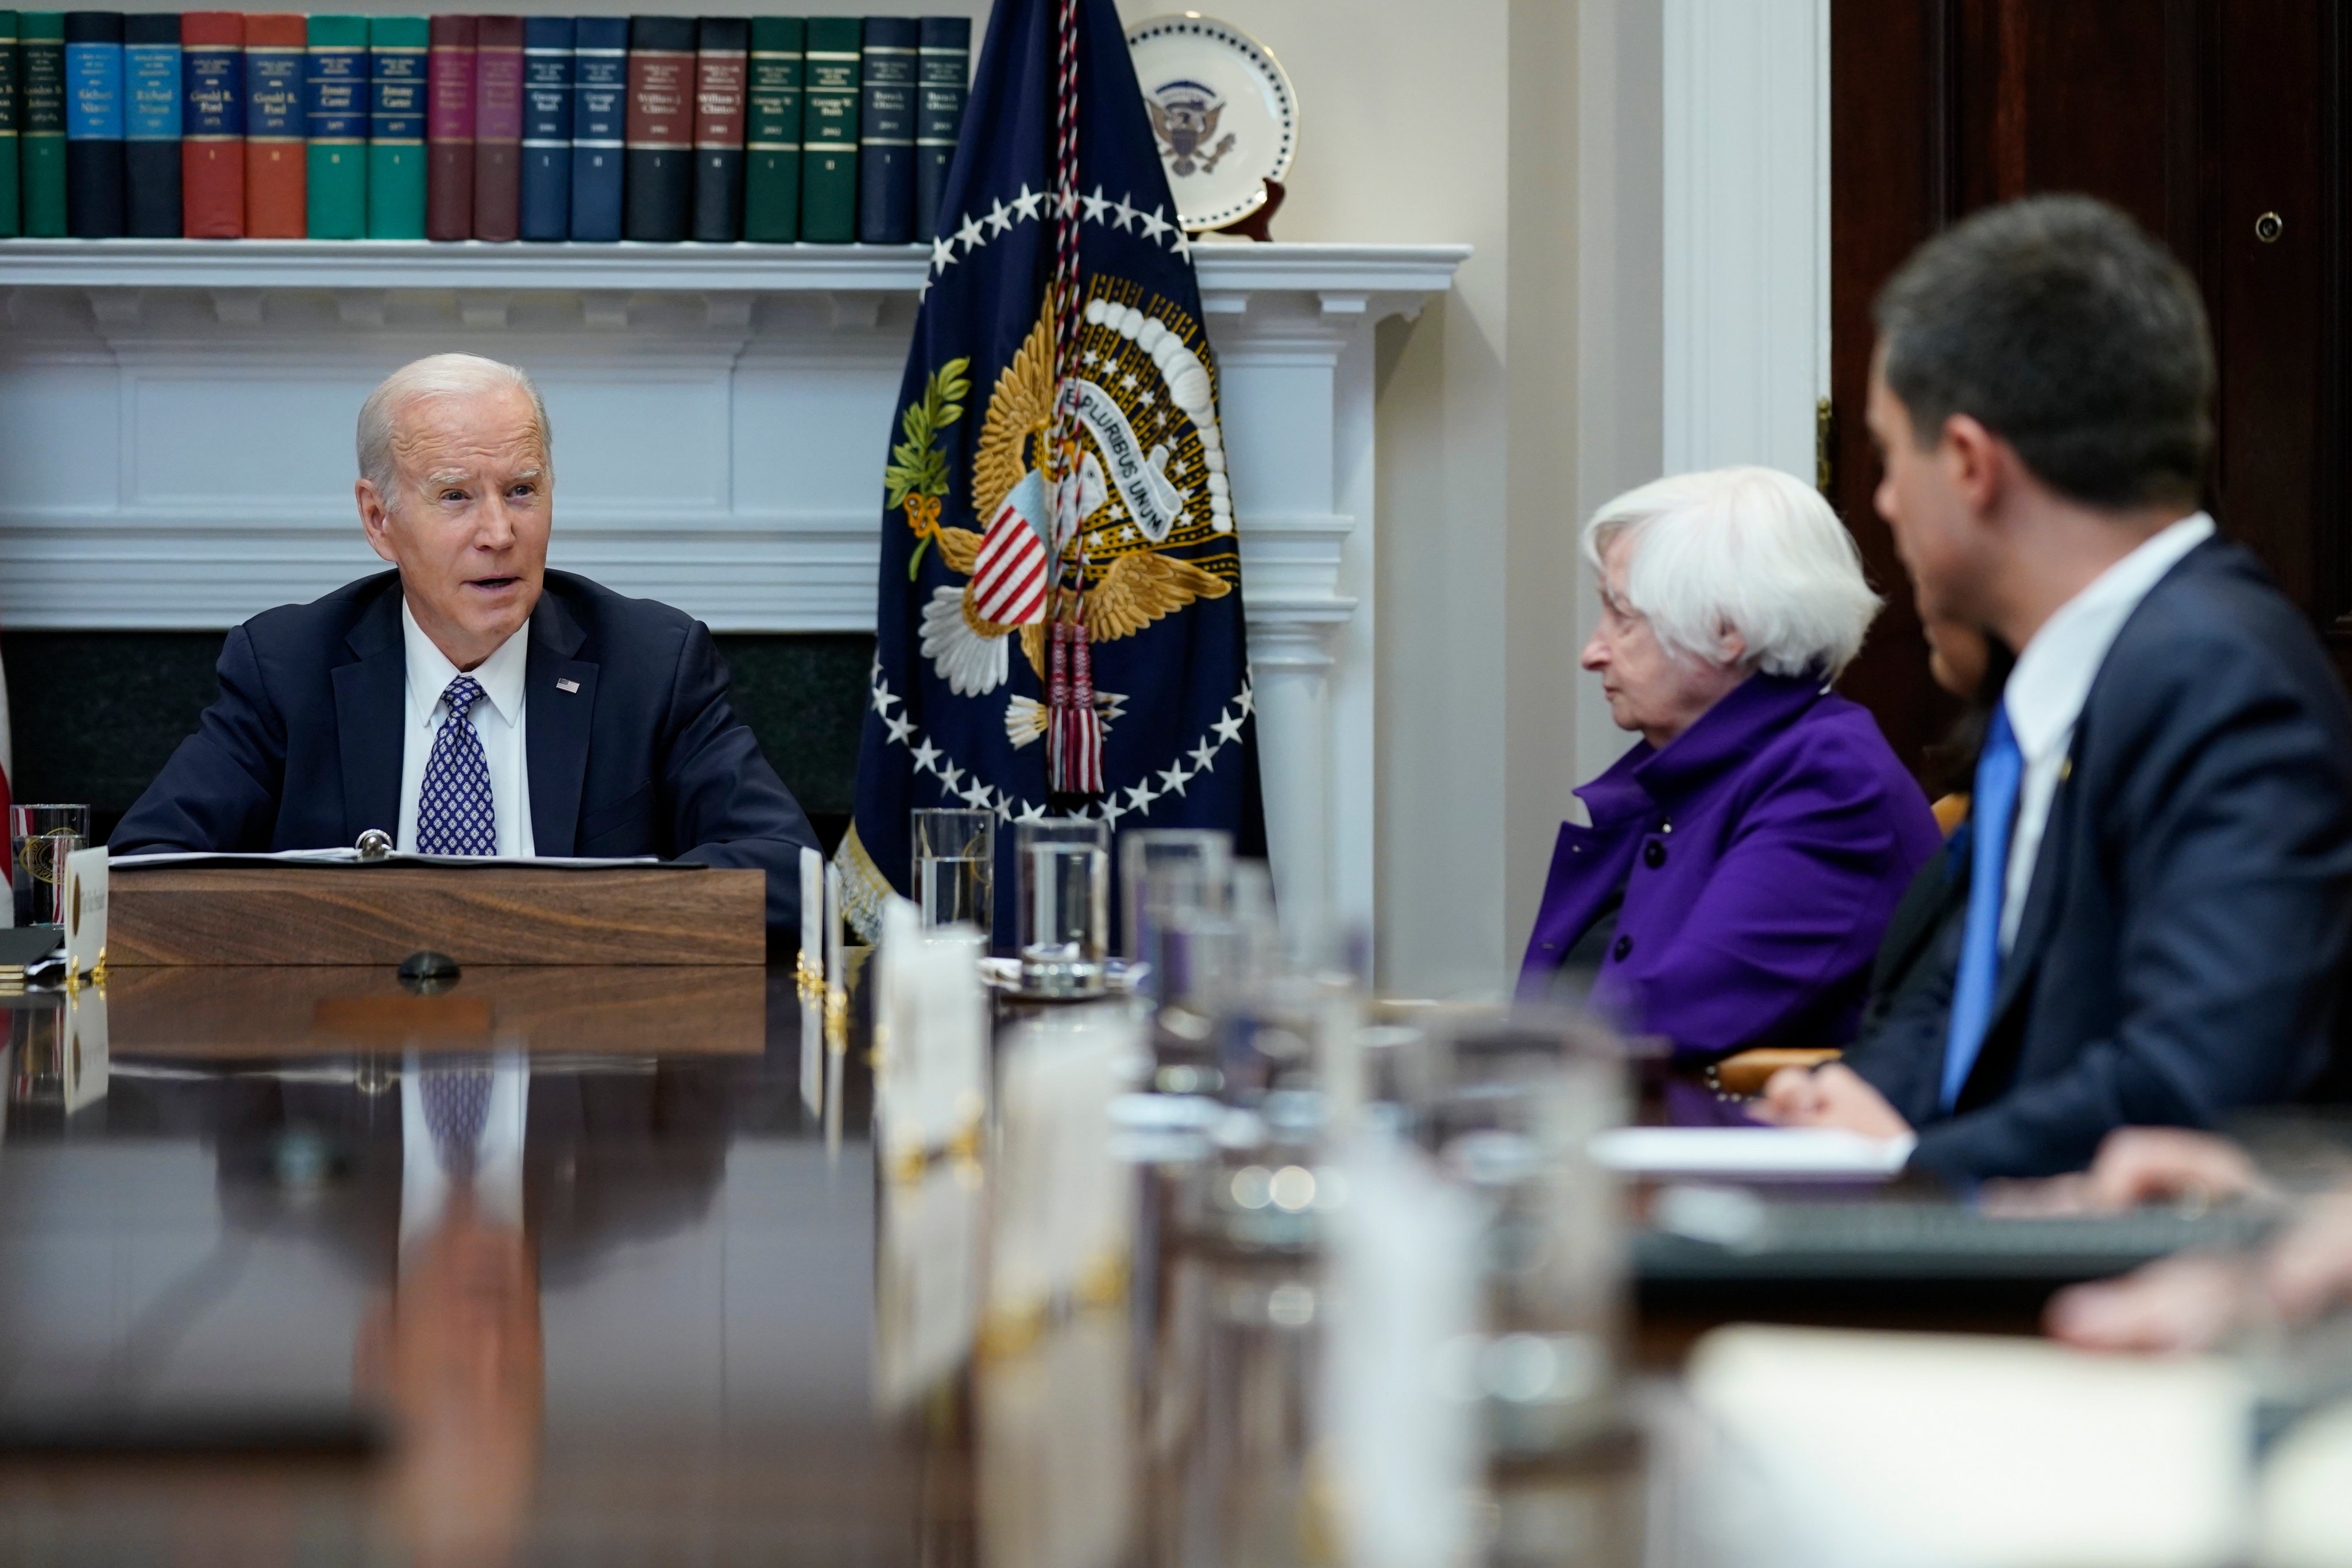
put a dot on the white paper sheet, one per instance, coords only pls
(1881, 1450)
(1762, 1154)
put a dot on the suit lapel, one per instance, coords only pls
(370, 706)
(560, 699)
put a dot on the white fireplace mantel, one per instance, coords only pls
(175, 443)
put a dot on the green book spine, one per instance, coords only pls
(335, 104)
(772, 141)
(41, 139)
(397, 49)
(829, 131)
(11, 71)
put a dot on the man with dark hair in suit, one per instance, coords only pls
(2160, 867)
(471, 701)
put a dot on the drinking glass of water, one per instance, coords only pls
(955, 868)
(1165, 873)
(39, 840)
(1062, 871)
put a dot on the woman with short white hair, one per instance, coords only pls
(1745, 856)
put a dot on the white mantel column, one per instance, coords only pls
(1295, 356)
(1291, 667)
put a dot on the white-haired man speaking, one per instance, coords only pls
(471, 702)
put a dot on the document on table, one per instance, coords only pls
(398, 857)
(1764, 1153)
(1860, 1450)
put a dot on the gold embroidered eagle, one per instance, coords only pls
(1137, 587)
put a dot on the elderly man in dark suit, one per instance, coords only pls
(471, 701)
(2160, 866)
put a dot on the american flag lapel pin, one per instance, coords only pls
(567, 686)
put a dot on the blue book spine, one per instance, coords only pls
(273, 94)
(600, 76)
(946, 76)
(151, 125)
(547, 103)
(94, 124)
(886, 130)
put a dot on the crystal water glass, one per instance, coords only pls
(1063, 933)
(955, 868)
(1165, 872)
(39, 840)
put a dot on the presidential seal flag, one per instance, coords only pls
(1059, 627)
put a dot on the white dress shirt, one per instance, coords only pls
(2052, 679)
(497, 719)
(425, 1185)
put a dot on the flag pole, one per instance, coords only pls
(1073, 739)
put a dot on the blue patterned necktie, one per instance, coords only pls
(454, 812)
(1992, 812)
(457, 1107)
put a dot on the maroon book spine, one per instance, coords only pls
(212, 158)
(450, 129)
(497, 128)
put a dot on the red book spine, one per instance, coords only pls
(212, 167)
(276, 169)
(720, 80)
(498, 129)
(450, 129)
(661, 99)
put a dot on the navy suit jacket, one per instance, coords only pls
(2179, 951)
(302, 749)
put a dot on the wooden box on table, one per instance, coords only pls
(297, 914)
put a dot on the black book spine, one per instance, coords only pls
(94, 124)
(886, 130)
(659, 190)
(945, 78)
(152, 98)
(722, 80)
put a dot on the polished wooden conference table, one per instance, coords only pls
(222, 1339)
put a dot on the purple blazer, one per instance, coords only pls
(1760, 854)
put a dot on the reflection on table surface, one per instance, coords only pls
(228, 1012)
(599, 1295)
(301, 1266)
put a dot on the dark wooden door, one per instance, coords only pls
(2201, 118)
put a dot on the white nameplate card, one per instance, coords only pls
(810, 974)
(1063, 1201)
(1404, 1252)
(926, 1281)
(82, 1064)
(931, 1018)
(85, 909)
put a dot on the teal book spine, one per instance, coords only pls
(335, 106)
(398, 48)
(41, 138)
(12, 219)
(772, 138)
(829, 131)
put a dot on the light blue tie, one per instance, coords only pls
(454, 812)
(1992, 811)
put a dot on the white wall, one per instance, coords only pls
(1531, 129)
(1745, 180)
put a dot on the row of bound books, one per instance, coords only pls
(222, 125)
